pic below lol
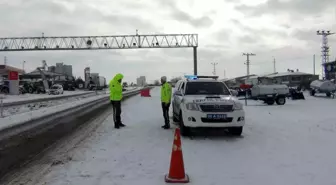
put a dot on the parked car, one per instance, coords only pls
(56, 89)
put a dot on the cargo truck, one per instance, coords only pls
(97, 83)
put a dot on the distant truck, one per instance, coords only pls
(98, 83)
(323, 86)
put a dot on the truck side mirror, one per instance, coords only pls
(178, 93)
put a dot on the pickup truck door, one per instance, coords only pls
(178, 98)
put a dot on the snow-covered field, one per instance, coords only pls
(292, 144)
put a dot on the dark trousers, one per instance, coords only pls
(165, 111)
(116, 112)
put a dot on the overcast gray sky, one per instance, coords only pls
(285, 29)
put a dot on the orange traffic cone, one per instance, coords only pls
(176, 171)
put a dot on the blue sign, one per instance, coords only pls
(191, 77)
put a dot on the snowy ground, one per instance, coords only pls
(291, 144)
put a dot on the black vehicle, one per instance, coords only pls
(295, 93)
(4, 87)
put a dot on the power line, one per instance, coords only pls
(248, 63)
(214, 67)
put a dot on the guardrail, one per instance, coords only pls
(25, 138)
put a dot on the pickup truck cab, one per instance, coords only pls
(202, 101)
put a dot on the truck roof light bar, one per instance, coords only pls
(195, 77)
(213, 77)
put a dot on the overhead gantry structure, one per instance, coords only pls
(136, 41)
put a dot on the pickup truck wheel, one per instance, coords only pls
(175, 119)
(185, 131)
(236, 131)
(280, 100)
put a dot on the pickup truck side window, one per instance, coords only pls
(182, 87)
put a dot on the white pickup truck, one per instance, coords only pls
(206, 102)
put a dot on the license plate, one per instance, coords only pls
(216, 116)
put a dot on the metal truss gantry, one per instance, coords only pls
(325, 48)
(101, 42)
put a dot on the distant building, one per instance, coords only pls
(94, 75)
(67, 70)
(61, 69)
(141, 81)
(52, 69)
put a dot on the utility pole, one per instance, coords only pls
(314, 63)
(224, 74)
(5, 60)
(214, 67)
(274, 69)
(248, 63)
(23, 65)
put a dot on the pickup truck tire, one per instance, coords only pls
(185, 131)
(236, 131)
(280, 100)
(175, 119)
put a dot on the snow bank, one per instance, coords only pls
(26, 97)
(16, 119)
(31, 106)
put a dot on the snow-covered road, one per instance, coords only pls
(291, 144)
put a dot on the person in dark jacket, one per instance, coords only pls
(166, 94)
(116, 96)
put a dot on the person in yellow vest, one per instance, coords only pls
(166, 94)
(115, 98)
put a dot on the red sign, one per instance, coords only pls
(13, 75)
(245, 86)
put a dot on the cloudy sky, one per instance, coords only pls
(285, 29)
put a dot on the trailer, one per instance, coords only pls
(270, 93)
(323, 86)
(101, 82)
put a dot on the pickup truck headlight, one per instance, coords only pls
(237, 106)
(192, 106)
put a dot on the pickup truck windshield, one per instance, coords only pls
(206, 88)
